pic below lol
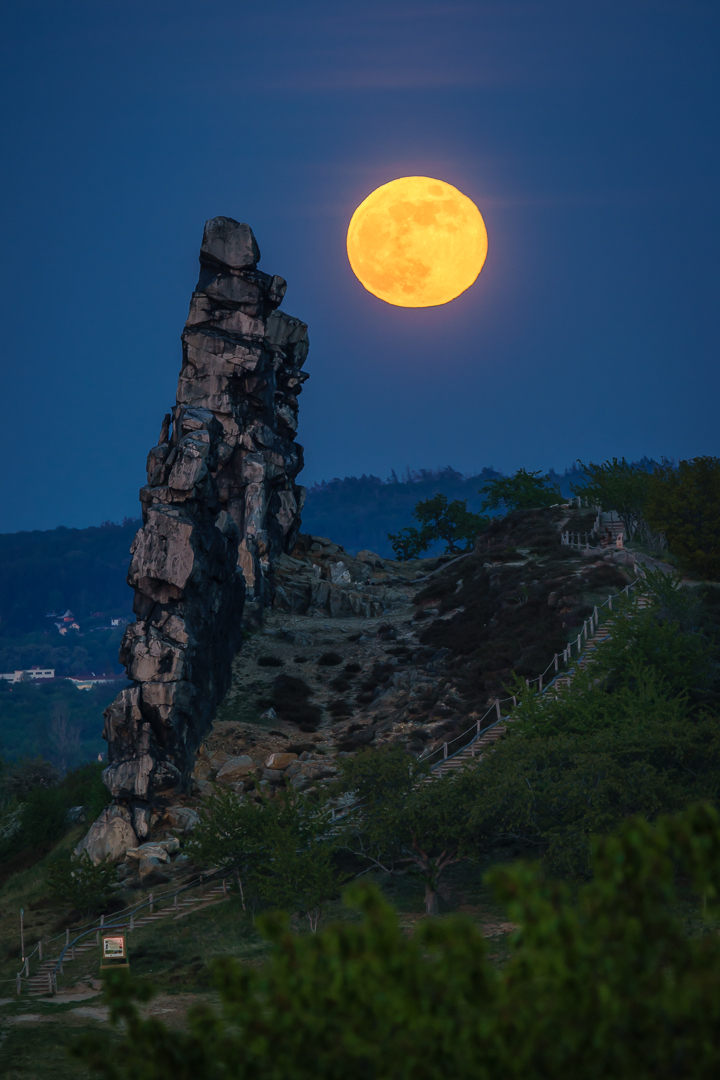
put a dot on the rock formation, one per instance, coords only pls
(220, 505)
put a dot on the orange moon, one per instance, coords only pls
(417, 242)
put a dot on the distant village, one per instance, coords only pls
(65, 623)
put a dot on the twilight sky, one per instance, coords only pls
(586, 132)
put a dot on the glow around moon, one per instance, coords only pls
(417, 242)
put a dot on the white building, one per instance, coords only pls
(30, 673)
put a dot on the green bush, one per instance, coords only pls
(602, 983)
(81, 884)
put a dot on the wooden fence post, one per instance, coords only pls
(556, 661)
(497, 707)
(444, 750)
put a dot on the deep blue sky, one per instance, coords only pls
(587, 133)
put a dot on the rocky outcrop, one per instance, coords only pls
(219, 507)
(321, 578)
(242, 360)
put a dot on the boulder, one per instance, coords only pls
(150, 865)
(274, 776)
(280, 760)
(235, 769)
(110, 836)
(148, 851)
(218, 759)
(182, 818)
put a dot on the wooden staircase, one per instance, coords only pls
(487, 739)
(42, 982)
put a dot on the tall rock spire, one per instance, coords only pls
(220, 504)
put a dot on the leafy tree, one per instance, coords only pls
(281, 849)
(684, 504)
(400, 823)
(81, 884)
(603, 981)
(621, 486)
(439, 520)
(523, 491)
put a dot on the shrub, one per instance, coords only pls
(330, 659)
(81, 884)
(290, 699)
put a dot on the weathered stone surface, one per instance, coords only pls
(182, 818)
(280, 761)
(220, 507)
(230, 242)
(110, 836)
(148, 851)
(149, 865)
(235, 768)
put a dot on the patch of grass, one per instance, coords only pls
(28, 890)
(36, 1051)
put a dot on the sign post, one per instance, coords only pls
(114, 951)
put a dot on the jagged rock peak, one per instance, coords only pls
(231, 243)
(220, 506)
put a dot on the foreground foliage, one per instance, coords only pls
(607, 984)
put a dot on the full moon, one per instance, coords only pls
(417, 242)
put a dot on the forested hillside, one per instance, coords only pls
(359, 512)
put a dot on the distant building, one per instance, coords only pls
(29, 673)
